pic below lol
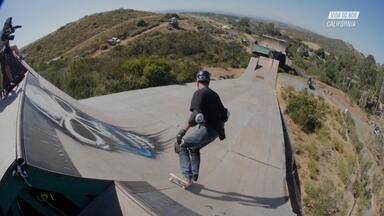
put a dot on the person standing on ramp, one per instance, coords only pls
(209, 115)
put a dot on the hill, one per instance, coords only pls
(331, 45)
(259, 26)
(75, 33)
(339, 160)
(78, 58)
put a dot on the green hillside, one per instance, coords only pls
(331, 45)
(74, 33)
(78, 59)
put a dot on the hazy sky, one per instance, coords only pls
(40, 17)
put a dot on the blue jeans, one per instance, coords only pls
(189, 154)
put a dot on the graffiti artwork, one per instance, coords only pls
(84, 128)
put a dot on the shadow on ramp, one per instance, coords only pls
(265, 202)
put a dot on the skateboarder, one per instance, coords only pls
(208, 112)
(311, 83)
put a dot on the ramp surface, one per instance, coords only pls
(129, 136)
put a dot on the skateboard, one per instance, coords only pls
(178, 181)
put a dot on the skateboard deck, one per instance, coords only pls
(178, 181)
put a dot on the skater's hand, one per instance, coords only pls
(180, 136)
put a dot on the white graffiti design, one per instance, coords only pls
(85, 128)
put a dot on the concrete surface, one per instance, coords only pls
(9, 113)
(243, 175)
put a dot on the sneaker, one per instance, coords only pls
(195, 177)
(187, 180)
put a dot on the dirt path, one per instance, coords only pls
(102, 32)
(184, 25)
(130, 39)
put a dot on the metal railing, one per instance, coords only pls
(292, 176)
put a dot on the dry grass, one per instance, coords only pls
(69, 36)
(323, 156)
(352, 165)
(311, 45)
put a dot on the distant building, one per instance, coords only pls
(274, 43)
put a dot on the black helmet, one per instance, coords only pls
(203, 76)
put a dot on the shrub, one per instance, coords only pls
(324, 199)
(157, 73)
(307, 110)
(312, 151)
(337, 145)
(193, 46)
(170, 15)
(312, 168)
(87, 77)
(142, 23)
(81, 81)
(358, 188)
(343, 171)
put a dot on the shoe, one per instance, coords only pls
(187, 180)
(195, 177)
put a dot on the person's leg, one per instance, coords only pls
(199, 138)
(195, 163)
(185, 163)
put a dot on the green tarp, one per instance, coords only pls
(261, 50)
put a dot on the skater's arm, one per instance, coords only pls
(186, 127)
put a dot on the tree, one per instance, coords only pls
(368, 71)
(81, 80)
(330, 73)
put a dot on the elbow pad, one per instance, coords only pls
(191, 120)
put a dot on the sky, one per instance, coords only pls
(40, 17)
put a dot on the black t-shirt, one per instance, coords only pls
(208, 102)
